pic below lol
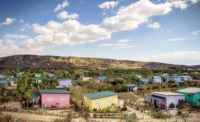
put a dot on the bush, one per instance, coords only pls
(172, 105)
(179, 112)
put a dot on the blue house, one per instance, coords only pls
(102, 77)
(192, 95)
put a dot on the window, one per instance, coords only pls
(62, 98)
(50, 99)
(110, 101)
(98, 103)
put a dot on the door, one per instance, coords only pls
(46, 105)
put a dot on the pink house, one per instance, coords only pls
(99, 80)
(51, 97)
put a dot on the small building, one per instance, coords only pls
(100, 100)
(139, 76)
(2, 75)
(50, 75)
(85, 78)
(10, 82)
(155, 76)
(61, 87)
(36, 98)
(39, 79)
(65, 82)
(4, 80)
(186, 78)
(37, 74)
(54, 97)
(174, 75)
(144, 80)
(155, 80)
(177, 78)
(2, 84)
(59, 77)
(164, 99)
(194, 96)
(180, 83)
(99, 80)
(131, 87)
(102, 77)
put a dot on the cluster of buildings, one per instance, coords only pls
(164, 99)
(6, 81)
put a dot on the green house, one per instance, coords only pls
(5, 80)
(192, 95)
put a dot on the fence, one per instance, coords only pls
(146, 114)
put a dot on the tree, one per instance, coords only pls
(28, 96)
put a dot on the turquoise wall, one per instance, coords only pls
(192, 98)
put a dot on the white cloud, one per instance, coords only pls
(21, 20)
(9, 41)
(168, 30)
(26, 25)
(107, 4)
(61, 6)
(123, 40)
(195, 32)
(112, 44)
(181, 57)
(8, 21)
(194, 37)
(154, 25)
(16, 36)
(65, 15)
(176, 39)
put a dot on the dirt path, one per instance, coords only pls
(44, 118)
(137, 112)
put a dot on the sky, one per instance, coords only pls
(165, 31)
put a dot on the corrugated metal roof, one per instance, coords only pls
(53, 91)
(167, 93)
(36, 94)
(189, 90)
(99, 94)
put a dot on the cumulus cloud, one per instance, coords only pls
(107, 5)
(61, 6)
(176, 39)
(154, 25)
(21, 20)
(26, 25)
(65, 15)
(72, 32)
(195, 32)
(8, 21)
(16, 36)
(123, 40)
(9, 41)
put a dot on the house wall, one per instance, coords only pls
(87, 103)
(186, 78)
(56, 99)
(156, 80)
(104, 100)
(65, 82)
(192, 98)
(169, 99)
(86, 78)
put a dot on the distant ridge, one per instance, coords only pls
(58, 61)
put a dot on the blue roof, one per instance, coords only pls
(99, 94)
(36, 94)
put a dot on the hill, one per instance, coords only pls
(58, 61)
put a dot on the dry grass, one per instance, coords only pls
(125, 95)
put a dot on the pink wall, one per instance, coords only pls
(56, 99)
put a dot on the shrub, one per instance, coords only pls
(172, 105)
(179, 112)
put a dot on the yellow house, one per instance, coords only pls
(37, 74)
(100, 99)
(139, 76)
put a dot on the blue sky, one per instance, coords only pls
(144, 30)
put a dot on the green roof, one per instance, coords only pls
(53, 91)
(99, 94)
(40, 78)
(156, 97)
